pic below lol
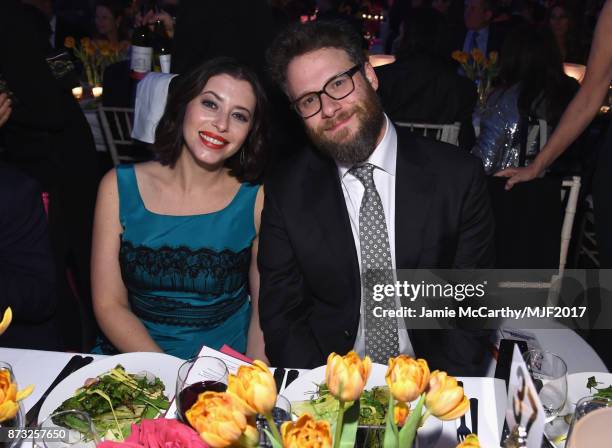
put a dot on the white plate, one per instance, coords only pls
(576, 389)
(305, 385)
(163, 366)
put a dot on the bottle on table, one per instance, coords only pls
(142, 45)
(161, 48)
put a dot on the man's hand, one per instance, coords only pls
(151, 17)
(5, 108)
(516, 175)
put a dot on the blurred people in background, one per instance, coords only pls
(48, 138)
(60, 27)
(563, 26)
(421, 85)
(241, 29)
(533, 85)
(108, 21)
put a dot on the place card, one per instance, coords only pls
(524, 407)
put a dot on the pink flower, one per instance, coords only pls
(159, 433)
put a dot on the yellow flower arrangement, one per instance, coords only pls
(9, 396)
(95, 56)
(479, 68)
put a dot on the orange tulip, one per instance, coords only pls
(493, 56)
(220, 419)
(400, 413)
(255, 386)
(7, 318)
(69, 42)
(407, 377)
(460, 56)
(477, 55)
(470, 441)
(445, 398)
(346, 376)
(306, 433)
(9, 396)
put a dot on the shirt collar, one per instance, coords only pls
(384, 155)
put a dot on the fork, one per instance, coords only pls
(462, 431)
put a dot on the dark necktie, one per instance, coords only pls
(381, 334)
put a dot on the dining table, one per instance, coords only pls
(40, 368)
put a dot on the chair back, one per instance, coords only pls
(448, 133)
(570, 190)
(117, 126)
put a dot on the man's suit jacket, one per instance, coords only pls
(310, 291)
(27, 270)
(495, 42)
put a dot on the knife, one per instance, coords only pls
(75, 363)
(474, 414)
(279, 375)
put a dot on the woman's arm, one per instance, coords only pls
(255, 342)
(110, 299)
(583, 107)
(5, 108)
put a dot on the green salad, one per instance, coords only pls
(602, 392)
(373, 406)
(115, 400)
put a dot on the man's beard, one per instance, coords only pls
(357, 149)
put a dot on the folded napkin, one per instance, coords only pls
(151, 96)
(227, 350)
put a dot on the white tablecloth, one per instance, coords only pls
(41, 368)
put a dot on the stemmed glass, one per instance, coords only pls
(66, 429)
(549, 374)
(591, 422)
(197, 375)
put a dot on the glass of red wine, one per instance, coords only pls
(197, 375)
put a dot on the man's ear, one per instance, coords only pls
(370, 75)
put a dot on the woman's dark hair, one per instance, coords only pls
(424, 31)
(531, 58)
(302, 38)
(169, 133)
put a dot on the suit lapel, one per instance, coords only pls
(323, 195)
(414, 188)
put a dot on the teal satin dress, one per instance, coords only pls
(186, 276)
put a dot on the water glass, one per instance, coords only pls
(281, 413)
(66, 429)
(591, 423)
(197, 375)
(549, 374)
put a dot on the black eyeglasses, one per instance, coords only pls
(340, 86)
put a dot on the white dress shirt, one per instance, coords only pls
(383, 158)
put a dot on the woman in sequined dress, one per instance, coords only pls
(533, 86)
(175, 239)
(578, 115)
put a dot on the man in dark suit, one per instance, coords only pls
(369, 196)
(480, 31)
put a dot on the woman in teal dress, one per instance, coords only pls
(175, 239)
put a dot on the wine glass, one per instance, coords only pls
(590, 423)
(66, 429)
(16, 422)
(549, 374)
(197, 375)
